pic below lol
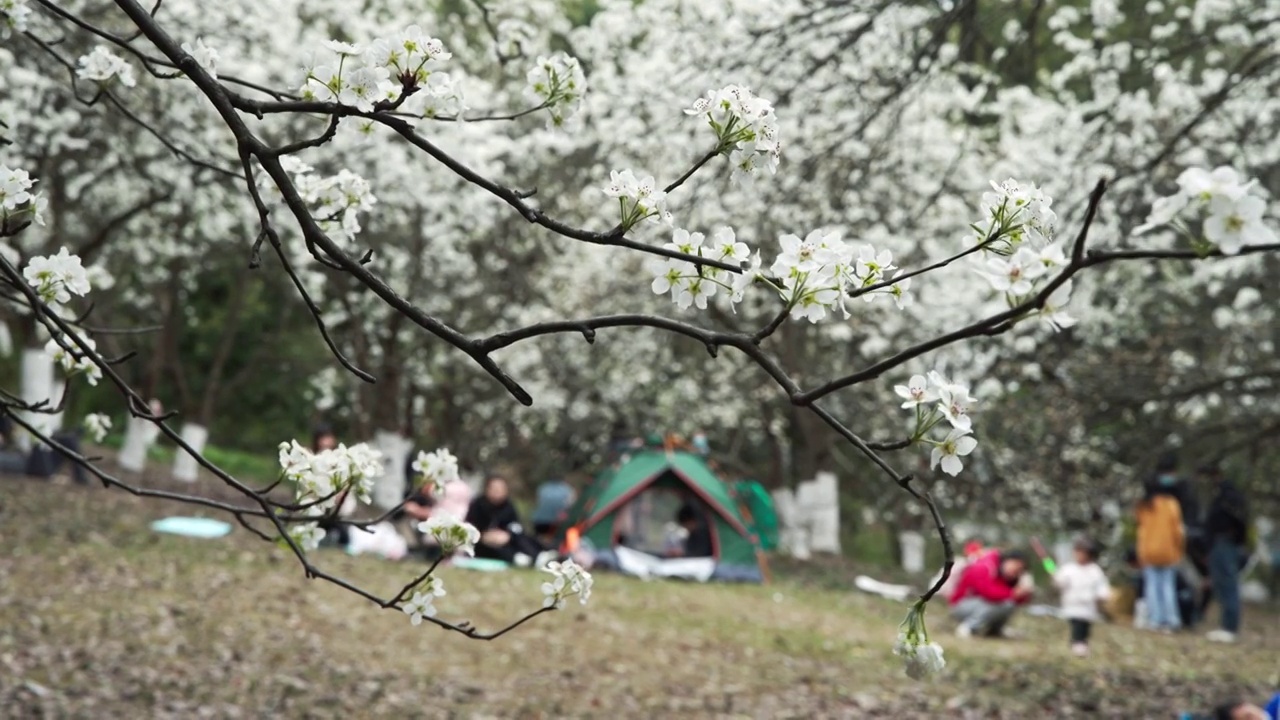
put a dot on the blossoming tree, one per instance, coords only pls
(824, 219)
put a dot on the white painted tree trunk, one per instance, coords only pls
(819, 500)
(139, 435)
(59, 389)
(388, 491)
(37, 384)
(793, 537)
(185, 466)
(912, 551)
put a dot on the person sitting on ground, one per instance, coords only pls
(697, 534)
(423, 504)
(554, 499)
(1240, 710)
(990, 590)
(1083, 586)
(501, 534)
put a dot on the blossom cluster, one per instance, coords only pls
(422, 604)
(336, 200)
(746, 130)
(638, 199)
(437, 469)
(403, 71)
(206, 56)
(558, 84)
(936, 399)
(97, 425)
(102, 66)
(1232, 214)
(16, 198)
(691, 285)
(322, 478)
(820, 271)
(1019, 250)
(567, 579)
(812, 276)
(13, 15)
(55, 278)
(451, 534)
(75, 361)
(920, 657)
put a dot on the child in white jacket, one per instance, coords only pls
(1084, 586)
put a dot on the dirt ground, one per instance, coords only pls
(102, 618)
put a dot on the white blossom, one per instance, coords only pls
(567, 579)
(915, 392)
(450, 533)
(745, 126)
(950, 449)
(437, 469)
(103, 65)
(320, 478)
(558, 84)
(97, 425)
(638, 198)
(307, 536)
(1237, 223)
(207, 57)
(14, 15)
(1054, 313)
(422, 604)
(75, 361)
(920, 657)
(56, 278)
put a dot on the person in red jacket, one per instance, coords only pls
(989, 591)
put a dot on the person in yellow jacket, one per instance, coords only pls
(1161, 545)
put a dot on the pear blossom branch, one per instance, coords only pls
(992, 325)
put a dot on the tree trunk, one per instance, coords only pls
(38, 383)
(185, 466)
(226, 343)
(389, 490)
(139, 435)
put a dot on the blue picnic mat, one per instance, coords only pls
(196, 527)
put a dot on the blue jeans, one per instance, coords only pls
(1160, 591)
(1224, 569)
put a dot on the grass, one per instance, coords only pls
(99, 617)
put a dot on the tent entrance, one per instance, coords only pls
(647, 521)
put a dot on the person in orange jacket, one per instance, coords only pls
(1161, 546)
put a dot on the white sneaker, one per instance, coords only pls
(1221, 636)
(963, 630)
(543, 558)
(522, 560)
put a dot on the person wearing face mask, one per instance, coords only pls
(1161, 545)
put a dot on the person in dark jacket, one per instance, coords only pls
(697, 542)
(1226, 526)
(502, 536)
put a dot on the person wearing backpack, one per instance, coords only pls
(1226, 530)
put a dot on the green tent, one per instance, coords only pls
(641, 496)
(762, 516)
